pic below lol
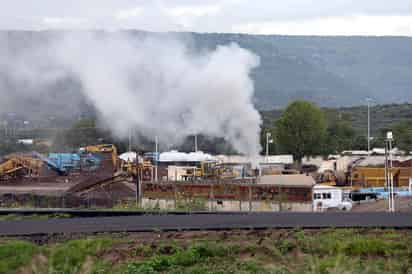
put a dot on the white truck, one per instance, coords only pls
(329, 197)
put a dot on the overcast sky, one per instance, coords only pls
(294, 17)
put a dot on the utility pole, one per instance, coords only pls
(195, 142)
(389, 171)
(268, 141)
(156, 156)
(369, 100)
(138, 186)
(130, 140)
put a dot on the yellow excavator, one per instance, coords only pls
(145, 169)
(15, 165)
(103, 149)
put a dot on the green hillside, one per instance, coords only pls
(330, 71)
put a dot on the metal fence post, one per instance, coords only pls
(250, 197)
(211, 197)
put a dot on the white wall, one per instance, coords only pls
(230, 205)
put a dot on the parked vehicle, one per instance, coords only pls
(329, 197)
(357, 196)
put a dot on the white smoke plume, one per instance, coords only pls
(160, 87)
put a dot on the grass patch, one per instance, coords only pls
(181, 258)
(191, 204)
(71, 257)
(16, 217)
(14, 254)
(244, 252)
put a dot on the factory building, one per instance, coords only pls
(267, 193)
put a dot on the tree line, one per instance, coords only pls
(303, 129)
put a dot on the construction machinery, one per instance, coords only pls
(16, 165)
(103, 149)
(60, 170)
(231, 171)
(144, 169)
(205, 171)
(375, 176)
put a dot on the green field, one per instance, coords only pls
(271, 251)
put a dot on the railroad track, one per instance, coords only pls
(212, 221)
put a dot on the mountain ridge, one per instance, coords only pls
(332, 71)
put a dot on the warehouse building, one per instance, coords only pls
(267, 193)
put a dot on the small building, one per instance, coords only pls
(180, 166)
(239, 166)
(267, 193)
(181, 173)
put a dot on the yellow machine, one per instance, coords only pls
(375, 176)
(15, 163)
(327, 183)
(145, 169)
(104, 148)
(207, 170)
(231, 171)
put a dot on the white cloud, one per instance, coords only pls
(127, 13)
(190, 18)
(348, 25)
(194, 10)
(336, 17)
(64, 22)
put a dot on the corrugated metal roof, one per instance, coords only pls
(272, 159)
(176, 156)
(380, 160)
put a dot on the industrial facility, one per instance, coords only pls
(96, 176)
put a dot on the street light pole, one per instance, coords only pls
(368, 100)
(389, 172)
(138, 186)
(392, 193)
(268, 141)
(156, 156)
(195, 142)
